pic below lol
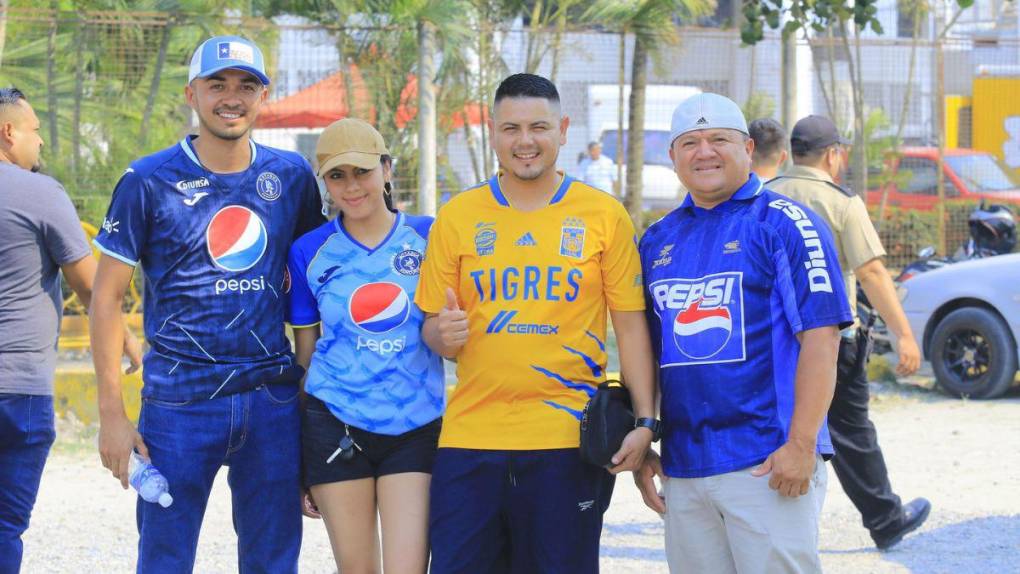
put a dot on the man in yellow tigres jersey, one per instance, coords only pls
(517, 280)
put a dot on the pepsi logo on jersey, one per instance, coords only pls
(236, 240)
(705, 317)
(378, 308)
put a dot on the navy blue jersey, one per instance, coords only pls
(728, 289)
(214, 254)
(370, 366)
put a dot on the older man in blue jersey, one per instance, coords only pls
(210, 220)
(745, 304)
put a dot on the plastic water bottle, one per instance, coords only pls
(148, 481)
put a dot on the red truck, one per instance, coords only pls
(969, 174)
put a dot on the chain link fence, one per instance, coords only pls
(108, 87)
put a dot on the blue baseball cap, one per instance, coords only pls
(226, 53)
(706, 111)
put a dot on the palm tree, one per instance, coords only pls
(653, 24)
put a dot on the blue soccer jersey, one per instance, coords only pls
(728, 289)
(214, 253)
(370, 366)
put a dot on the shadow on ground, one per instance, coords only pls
(978, 545)
(653, 533)
(989, 544)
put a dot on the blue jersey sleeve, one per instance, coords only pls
(807, 269)
(303, 310)
(421, 224)
(651, 317)
(126, 226)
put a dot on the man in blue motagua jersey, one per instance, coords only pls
(744, 303)
(210, 220)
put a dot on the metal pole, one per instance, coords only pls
(940, 125)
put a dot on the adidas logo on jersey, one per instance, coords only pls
(526, 240)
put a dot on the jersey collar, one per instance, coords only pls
(497, 192)
(752, 188)
(189, 150)
(397, 222)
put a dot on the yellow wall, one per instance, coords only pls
(996, 100)
(953, 106)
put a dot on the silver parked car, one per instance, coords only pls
(966, 317)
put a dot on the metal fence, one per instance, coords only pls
(108, 88)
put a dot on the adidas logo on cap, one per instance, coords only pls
(701, 121)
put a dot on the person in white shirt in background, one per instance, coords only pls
(598, 170)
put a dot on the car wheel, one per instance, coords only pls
(973, 354)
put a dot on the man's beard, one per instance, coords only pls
(224, 134)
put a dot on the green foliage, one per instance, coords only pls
(816, 15)
(759, 105)
(905, 231)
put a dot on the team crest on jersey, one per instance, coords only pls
(485, 238)
(572, 238)
(704, 317)
(236, 238)
(408, 261)
(269, 186)
(379, 307)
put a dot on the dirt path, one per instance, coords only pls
(963, 455)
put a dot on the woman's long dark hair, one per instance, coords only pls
(388, 187)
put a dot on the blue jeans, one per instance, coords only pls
(257, 434)
(26, 434)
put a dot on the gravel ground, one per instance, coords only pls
(962, 455)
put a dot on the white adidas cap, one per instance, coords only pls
(706, 112)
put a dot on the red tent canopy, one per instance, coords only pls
(327, 100)
(318, 105)
(473, 113)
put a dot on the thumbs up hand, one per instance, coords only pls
(453, 322)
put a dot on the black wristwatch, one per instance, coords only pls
(654, 425)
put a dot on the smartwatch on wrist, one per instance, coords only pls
(654, 425)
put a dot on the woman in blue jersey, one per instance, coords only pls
(375, 391)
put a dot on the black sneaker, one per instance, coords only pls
(915, 513)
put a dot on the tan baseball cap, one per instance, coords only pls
(349, 141)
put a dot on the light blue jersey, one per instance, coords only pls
(371, 366)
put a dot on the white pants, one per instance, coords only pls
(735, 524)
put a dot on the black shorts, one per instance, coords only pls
(380, 454)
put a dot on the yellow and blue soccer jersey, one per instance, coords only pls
(536, 287)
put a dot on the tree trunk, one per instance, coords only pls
(79, 94)
(859, 157)
(51, 81)
(4, 6)
(561, 28)
(789, 56)
(622, 79)
(904, 109)
(157, 74)
(532, 56)
(636, 129)
(834, 106)
(426, 119)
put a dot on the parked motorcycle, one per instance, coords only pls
(992, 231)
